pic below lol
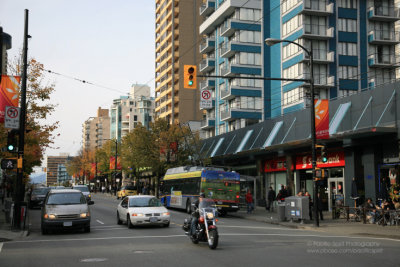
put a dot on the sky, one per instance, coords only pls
(108, 43)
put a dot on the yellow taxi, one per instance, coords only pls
(128, 190)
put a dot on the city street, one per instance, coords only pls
(242, 243)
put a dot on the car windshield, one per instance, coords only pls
(66, 199)
(144, 202)
(82, 188)
(40, 191)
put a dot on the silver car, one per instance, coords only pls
(65, 209)
(85, 191)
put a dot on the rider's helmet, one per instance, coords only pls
(202, 195)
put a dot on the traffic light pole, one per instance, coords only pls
(20, 171)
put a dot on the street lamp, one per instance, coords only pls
(270, 42)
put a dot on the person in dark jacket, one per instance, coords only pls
(319, 206)
(195, 214)
(249, 202)
(310, 204)
(270, 199)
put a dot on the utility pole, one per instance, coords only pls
(1, 52)
(20, 171)
(115, 167)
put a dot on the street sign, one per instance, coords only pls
(205, 99)
(8, 164)
(11, 117)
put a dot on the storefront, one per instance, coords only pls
(331, 188)
(275, 174)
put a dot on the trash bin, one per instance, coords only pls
(281, 212)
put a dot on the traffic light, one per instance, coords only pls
(324, 155)
(12, 141)
(189, 76)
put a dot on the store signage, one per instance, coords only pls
(335, 159)
(275, 165)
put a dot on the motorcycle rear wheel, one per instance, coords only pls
(212, 239)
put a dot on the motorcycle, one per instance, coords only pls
(206, 229)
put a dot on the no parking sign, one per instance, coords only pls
(11, 117)
(205, 99)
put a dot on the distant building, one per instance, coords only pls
(56, 170)
(128, 111)
(96, 130)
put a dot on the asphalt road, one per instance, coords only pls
(242, 243)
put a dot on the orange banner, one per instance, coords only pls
(112, 163)
(321, 118)
(9, 93)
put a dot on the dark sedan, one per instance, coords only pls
(37, 197)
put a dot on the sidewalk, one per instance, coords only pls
(328, 225)
(6, 231)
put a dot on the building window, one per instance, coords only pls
(135, 117)
(289, 4)
(347, 3)
(246, 59)
(348, 72)
(293, 96)
(246, 37)
(249, 14)
(347, 49)
(347, 25)
(293, 72)
(292, 25)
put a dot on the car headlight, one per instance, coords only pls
(137, 214)
(166, 214)
(210, 215)
(89, 196)
(49, 216)
(84, 214)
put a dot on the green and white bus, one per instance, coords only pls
(181, 186)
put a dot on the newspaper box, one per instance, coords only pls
(297, 207)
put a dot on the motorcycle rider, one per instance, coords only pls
(196, 214)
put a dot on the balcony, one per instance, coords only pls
(208, 123)
(207, 8)
(207, 45)
(317, 8)
(207, 84)
(383, 14)
(207, 65)
(237, 90)
(316, 31)
(382, 60)
(233, 47)
(321, 56)
(233, 25)
(224, 11)
(238, 113)
(383, 37)
(235, 69)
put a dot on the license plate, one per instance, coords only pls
(153, 219)
(67, 223)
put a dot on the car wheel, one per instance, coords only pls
(118, 219)
(128, 221)
(87, 229)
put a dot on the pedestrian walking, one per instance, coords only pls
(271, 199)
(249, 202)
(319, 207)
(310, 204)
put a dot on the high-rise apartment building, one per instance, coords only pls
(177, 39)
(352, 42)
(96, 130)
(55, 171)
(128, 111)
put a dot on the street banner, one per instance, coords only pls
(321, 118)
(9, 93)
(92, 170)
(112, 163)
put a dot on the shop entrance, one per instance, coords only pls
(335, 192)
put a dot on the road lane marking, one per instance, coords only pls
(100, 222)
(1, 247)
(259, 227)
(174, 236)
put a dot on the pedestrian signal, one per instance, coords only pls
(189, 76)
